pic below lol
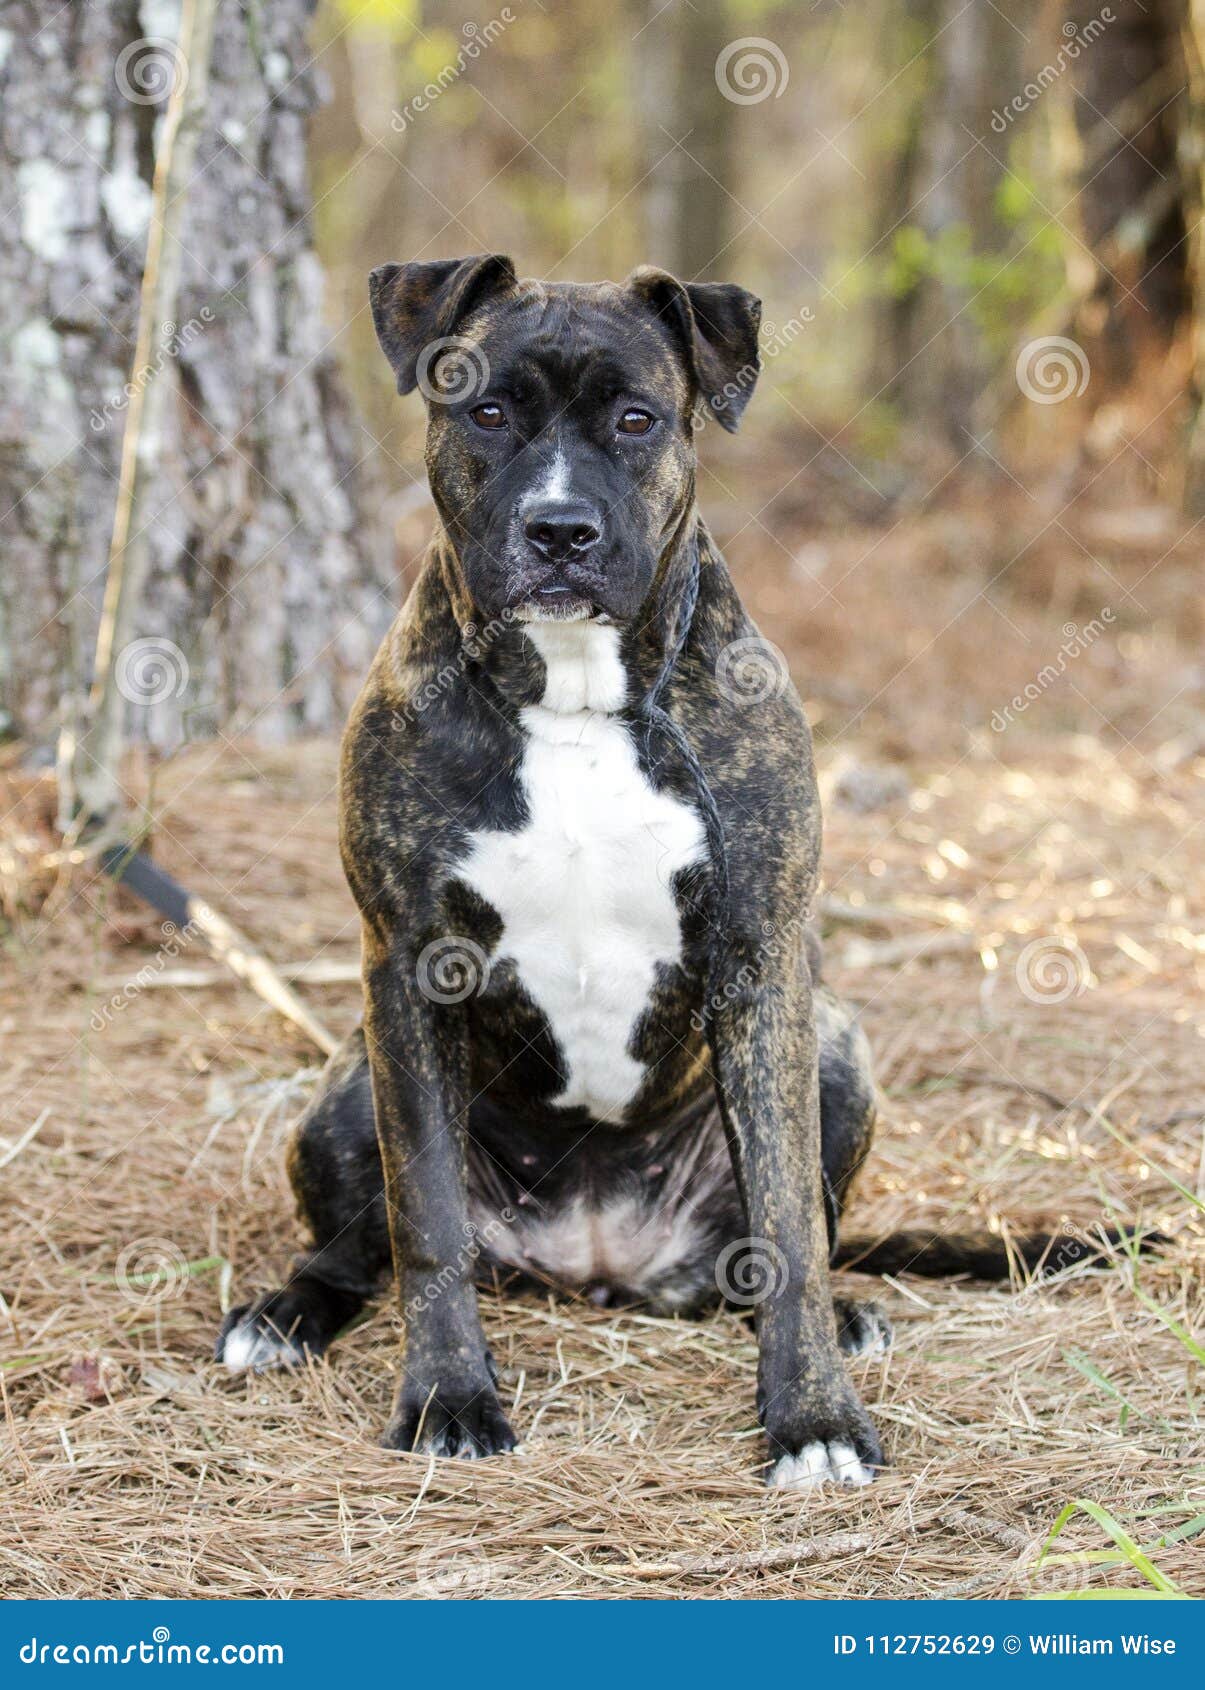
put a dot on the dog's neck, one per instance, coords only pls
(583, 665)
(561, 666)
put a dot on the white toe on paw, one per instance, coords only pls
(255, 1349)
(820, 1464)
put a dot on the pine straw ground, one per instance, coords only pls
(1012, 1095)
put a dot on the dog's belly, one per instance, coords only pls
(624, 1217)
(585, 895)
(631, 1246)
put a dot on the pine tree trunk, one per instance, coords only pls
(1129, 111)
(975, 51)
(685, 188)
(270, 583)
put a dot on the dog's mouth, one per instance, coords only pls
(558, 602)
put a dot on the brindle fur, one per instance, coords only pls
(758, 1105)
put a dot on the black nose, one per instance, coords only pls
(561, 532)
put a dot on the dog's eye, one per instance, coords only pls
(489, 416)
(635, 422)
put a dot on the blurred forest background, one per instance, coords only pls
(974, 227)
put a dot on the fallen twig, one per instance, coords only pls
(778, 1555)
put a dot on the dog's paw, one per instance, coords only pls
(249, 1344)
(283, 1329)
(452, 1420)
(819, 1463)
(862, 1328)
(836, 1445)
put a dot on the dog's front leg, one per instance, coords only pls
(446, 1402)
(765, 1050)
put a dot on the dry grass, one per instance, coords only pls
(134, 1468)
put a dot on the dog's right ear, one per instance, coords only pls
(416, 304)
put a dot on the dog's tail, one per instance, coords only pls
(988, 1255)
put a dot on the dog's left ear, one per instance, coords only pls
(716, 325)
(416, 304)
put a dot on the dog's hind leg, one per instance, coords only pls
(847, 1119)
(335, 1169)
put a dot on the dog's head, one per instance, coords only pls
(561, 420)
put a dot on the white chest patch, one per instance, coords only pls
(584, 889)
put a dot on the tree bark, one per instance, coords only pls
(1128, 111)
(268, 585)
(976, 50)
(685, 124)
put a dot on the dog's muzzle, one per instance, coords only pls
(559, 574)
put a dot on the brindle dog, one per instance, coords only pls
(580, 821)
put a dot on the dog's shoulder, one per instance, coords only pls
(430, 749)
(736, 698)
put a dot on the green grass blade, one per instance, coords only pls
(1114, 1529)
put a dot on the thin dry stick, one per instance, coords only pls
(192, 915)
(250, 964)
(317, 973)
(95, 763)
(777, 1555)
